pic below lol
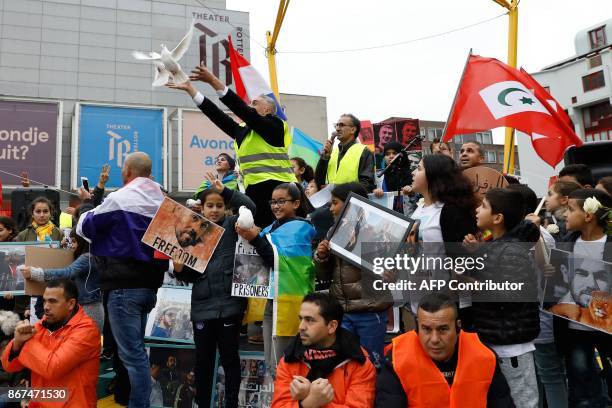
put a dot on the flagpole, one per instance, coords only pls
(512, 7)
(271, 38)
(467, 60)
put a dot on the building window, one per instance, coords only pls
(500, 156)
(594, 61)
(479, 137)
(593, 81)
(431, 134)
(598, 37)
(490, 157)
(596, 114)
(487, 138)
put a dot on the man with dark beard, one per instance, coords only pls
(324, 364)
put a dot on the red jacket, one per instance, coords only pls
(354, 384)
(66, 358)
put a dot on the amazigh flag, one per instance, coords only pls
(249, 83)
(492, 94)
(293, 273)
(305, 147)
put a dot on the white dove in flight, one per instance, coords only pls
(166, 63)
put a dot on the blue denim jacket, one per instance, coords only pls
(85, 275)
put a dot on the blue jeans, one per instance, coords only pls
(551, 376)
(371, 327)
(127, 314)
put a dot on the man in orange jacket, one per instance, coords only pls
(324, 366)
(439, 365)
(61, 351)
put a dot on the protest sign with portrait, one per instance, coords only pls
(580, 291)
(13, 254)
(256, 388)
(170, 318)
(172, 375)
(251, 276)
(183, 235)
(365, 230)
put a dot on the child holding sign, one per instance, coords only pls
(285, 246)
(217, 315)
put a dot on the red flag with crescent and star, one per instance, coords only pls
(492, 94)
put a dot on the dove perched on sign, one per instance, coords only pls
(166, 62)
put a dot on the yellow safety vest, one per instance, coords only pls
(65, 220)
(348, 170)
(260, 161)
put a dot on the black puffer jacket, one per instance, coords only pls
(508, 259)
(211, 296)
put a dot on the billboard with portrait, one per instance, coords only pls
(30, 140)
(200, 142)
(108, 133)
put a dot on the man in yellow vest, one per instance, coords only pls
(439, 365)
(263, 139)
(350, 161)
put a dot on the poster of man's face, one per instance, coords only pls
(407, 131)
(190, 229)
(589, 276)
(182, 234)
(383, 134)
(366, 134)
(588, 298)
(170, 318)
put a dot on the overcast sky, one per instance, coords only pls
(416, 80)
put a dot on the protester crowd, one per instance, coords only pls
(322, 347)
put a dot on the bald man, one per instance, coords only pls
(137, 164)
(129, 274)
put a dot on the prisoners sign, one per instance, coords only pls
(30, 141)
(200, 142)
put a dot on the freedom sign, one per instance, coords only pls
(109, 133)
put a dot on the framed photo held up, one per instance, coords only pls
(366, 230)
